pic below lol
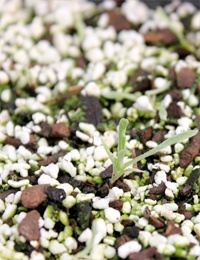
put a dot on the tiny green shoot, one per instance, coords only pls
(120, 167)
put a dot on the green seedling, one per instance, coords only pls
(120, 167)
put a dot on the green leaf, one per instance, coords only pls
(162, 113)
(122, 137)
(173, 140)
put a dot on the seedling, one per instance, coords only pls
(120, 167)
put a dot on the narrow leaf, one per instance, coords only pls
(122, 131)
(173, 140)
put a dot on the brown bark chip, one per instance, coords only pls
(172, 229)
(145, 254)
(51, 159)
(186, 77)
(122, 240)
(174, 110)
(188, 154)
(162, 35)
(33, 196)
(29, 226)
(118, 21)
(145, 134)
(6, 193)
(107, 173)
(157, 222)
(60, 130)
(158, 190)
(116, 204)
(13, 141)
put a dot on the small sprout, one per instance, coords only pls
(120, 167)
(117, 95)
(162, 113)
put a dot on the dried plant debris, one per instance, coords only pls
(70, 72)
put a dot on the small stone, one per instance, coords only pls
(60, 130)
(160, 189)
(29, 226)
(186, 190)
(122, 185)
(13, 141)
(174, 110)
(189, 152)
(122, 240)
(33, 196)
(132, 232)
(144, 254)
(145, 134)
(157, 222)
(172, 229)
(55, 194)
(107, 173)
(186, 78)
(118, 21)
(116, 204)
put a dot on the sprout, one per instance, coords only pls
(120, 167)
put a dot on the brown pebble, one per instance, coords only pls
(103, 191)
(145, 134)
(122, 185)
(107, 173)
(186, 190)
(118, 21)
(29, 226)
(147, 212)
(116, 204)
(162, 35)
(157, 222)
(145, 254)
(191, 151)
(172, 73)
(4, 194)
(174, 110)
(122, 240)
(60, 130)
(185, 78)
(172, 228)
(33, 196)
(45, 129)
(127, 222)
(159, 136)
(13, 141)
(51, 159)
(158, 190)
(175, 94)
